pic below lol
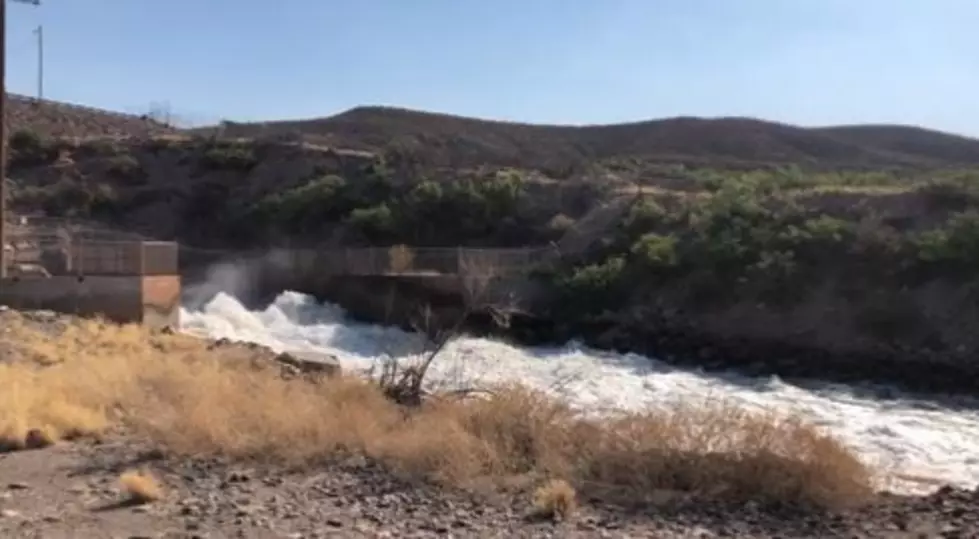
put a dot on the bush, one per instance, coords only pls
(99, 148)
(655, 251)
(376, 222)
(229, 156)
(304, 208)
(560, 224)
(27, 148)
(956, 244)
(126, 168)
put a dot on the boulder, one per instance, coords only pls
(306, 362)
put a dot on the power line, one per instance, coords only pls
(3, 131)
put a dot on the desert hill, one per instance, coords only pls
(65, 120)
(454, 140)
(447, 140)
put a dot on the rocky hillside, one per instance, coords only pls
(55, 119)
(458, 141)
(375, 176)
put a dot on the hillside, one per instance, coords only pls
(458, 141)
(732, 252)
(560, 151)
(57, 119)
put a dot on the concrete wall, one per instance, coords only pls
(161, 300)
(151, 300)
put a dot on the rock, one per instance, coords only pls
(36, 439)
(18, 486)
(310, 362)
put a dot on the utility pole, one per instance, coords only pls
(3, 132)
(39, 31)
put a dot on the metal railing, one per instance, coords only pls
(61, 254)
(404, 260)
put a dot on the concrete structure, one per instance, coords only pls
(124, 281)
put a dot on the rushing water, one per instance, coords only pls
(919, 444)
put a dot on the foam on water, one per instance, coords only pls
(920, 444)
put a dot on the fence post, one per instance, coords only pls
(81, 255)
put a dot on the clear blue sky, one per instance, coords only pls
(812, 62)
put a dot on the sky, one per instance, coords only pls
(808, 62)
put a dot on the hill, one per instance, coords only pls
(64, 120)
(448, 140)
(454, 141)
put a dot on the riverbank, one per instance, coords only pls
(921, 372)
(234, 445)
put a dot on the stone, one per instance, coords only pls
(310, 362)
(36, 439)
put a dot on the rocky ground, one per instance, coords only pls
(71, 490)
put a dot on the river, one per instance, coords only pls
(917, 444)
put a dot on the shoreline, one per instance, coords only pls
(750, 358)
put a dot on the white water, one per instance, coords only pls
(919, 445)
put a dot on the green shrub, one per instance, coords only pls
(956, 243)
(375, 222)
(655, 251)
(125, 167)
(229, 156)
(99, 148)
(27, 148)
(306, 207)
(644, 216)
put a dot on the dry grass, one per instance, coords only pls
(140, 487)
(555, 500)
(171, 389)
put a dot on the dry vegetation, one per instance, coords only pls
(140, 486)
(555, 499)
(95, 377)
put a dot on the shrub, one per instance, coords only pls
(956, 243)
(655, 251)
(125, 167)
(307, 206)
(140, 487)
(555, 500)
(229, 156)
(643, 217)
(29, 149)
(560, 223)
(375, 222)
(99, 148)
